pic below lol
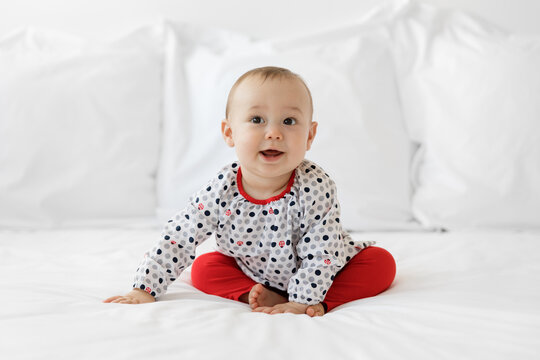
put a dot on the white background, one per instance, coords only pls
(278, 18)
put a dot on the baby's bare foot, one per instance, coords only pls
(260, 296)
(315, 310)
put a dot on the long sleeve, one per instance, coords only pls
(176, 248)
(322, 247)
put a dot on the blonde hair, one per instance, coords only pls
(266, 72)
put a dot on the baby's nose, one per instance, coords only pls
(273, 132)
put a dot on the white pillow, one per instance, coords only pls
(471, 98)
(79, 128)
(361, 141)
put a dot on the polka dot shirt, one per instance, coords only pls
(293, 241)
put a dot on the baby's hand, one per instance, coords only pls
(135, 296)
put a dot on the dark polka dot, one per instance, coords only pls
(249, 230)
(317, 272)
(158, 251)
(191, 239)
(276, 211)
(238, 212)
(167, 237)
(306, 189)
(209, 188)
(223, 204)
(220, 176)
(199, 225)
(307, 239)
(325, 237)
(178, 228)
(175, 260)
(313, 285)
(252, 214)
(318, 217)
(265, 212)
(327, 195)
(310, 257)
(319, 180)
(147, 271)
(187, 216)
(207, 213)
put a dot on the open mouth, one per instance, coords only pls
(271, 154)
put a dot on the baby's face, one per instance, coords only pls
(269, 125)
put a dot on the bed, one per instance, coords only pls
(428, 123)
(465, 295)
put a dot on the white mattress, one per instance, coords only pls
(462, 295)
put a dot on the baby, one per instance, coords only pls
(276, 217)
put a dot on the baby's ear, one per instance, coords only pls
(311, 134)
(226, 131)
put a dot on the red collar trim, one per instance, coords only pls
(265, 201)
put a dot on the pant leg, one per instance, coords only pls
(367, 274)
(217, 274)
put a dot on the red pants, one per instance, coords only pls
(367, 274)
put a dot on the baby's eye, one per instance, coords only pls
(289, 121)
(257, 120)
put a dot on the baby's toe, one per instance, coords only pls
(315, 310)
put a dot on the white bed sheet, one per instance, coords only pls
(458, 295)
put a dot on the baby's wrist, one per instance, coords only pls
(141, 294)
